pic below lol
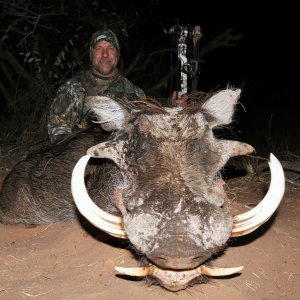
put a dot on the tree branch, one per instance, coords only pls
(225, 39)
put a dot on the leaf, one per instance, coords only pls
(57, 61)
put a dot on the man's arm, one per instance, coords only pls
(140, 93)
(65, 111)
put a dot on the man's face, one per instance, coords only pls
(104, 59)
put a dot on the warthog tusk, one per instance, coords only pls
(177, 280)
(249, 221)
(139, 271)
(215, 271)
(203, 270)
(98, 217)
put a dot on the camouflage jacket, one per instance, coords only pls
(68, 112)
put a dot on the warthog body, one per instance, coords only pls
(159, 177)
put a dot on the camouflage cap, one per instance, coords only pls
(106, 35)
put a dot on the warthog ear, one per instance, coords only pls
(108, 112)
(221, 106)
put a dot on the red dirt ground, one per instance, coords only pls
(67, 261)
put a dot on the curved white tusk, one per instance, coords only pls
(101, 219)
(139, 271)
(215, 271)
(249, 221)
(188, 274)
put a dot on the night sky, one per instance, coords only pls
(267, 53)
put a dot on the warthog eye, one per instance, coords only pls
(195, 146)
(146, 146)
(142, 149)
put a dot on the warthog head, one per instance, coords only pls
(173, 206)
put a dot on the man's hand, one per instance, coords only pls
(182, 101)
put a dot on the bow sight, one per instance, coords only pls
(186, 38)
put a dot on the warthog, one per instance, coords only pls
(155, 181)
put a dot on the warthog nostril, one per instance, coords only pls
(160, 259)
(198, 258)
(180, 262)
